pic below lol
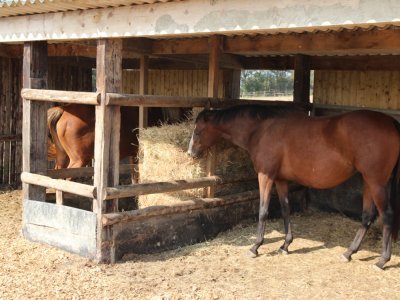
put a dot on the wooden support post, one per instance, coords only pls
(34, 136)
(301, 86)
(213, 76)
(107, 135)
(143, 89)
(143, 110)
(59, 197)
(231, 80)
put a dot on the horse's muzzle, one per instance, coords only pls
(194, 154)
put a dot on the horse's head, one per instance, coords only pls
(204, 134)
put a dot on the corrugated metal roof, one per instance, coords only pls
(10, 8)
(188, 18)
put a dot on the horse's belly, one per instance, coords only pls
(320, 173)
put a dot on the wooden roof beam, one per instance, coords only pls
(11, 50)
(318, 43)
(384, 41)
(180, 46)
(67, 49)
(364, 62)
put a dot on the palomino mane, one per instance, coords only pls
(253, 111)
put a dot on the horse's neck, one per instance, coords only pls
(238, 131)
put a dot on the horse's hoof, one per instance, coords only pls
(282, 251)
(251, 254)
(377, 267)
(344, 258)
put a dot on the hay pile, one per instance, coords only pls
(163, 157)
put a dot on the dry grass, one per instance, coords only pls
(218, 269)
(164, 158)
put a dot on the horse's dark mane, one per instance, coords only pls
(253, 111)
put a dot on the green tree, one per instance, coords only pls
(268, 81)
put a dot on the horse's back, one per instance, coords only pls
(322, 152)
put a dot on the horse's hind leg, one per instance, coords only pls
(265, 185)
(282, 189)
(381, 199)
(368, 217)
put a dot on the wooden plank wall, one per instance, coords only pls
(171, 82)
(61, 77)
(376, 89)
(10, 120)
(68, 228)
(70, 78)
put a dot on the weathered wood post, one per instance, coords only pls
(213, 83)
(143, 89)
(143, 110)
(231, 81)
(301, 88)
(301, 93)
(34, 136)
(107, 136)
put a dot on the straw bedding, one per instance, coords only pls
(217, 269)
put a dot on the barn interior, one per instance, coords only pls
(355, 65)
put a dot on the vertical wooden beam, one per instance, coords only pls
(107, 136)
(143, 111)
(231, 80)
(301, 92)
(59, 197)
(213, 83)
(143, 89)
(34, 134)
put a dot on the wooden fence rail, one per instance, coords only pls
(84, 171)
(171, 186)
(179, 101)
(61, 96)
(59, 184)
(186, 206)
(332, 107)
(10, 137)
(91, 98)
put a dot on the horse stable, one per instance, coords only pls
(172, 54)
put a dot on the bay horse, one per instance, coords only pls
(318, 152)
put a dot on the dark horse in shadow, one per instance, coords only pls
(319, 152)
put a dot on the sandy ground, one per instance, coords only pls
(218, 269)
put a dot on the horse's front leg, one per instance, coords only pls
(265, 184)
(282, 190)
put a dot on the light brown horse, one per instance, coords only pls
(318, 152)
(72, 131)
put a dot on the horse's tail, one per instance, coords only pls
(394, 193)
(53, 115)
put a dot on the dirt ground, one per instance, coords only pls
(217, 269)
